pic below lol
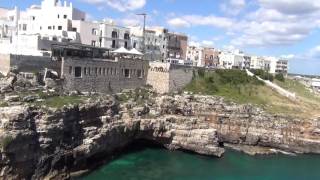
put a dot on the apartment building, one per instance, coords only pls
(54, 22)
(282, 66)
(195, 55)
(210, 57)
(176, 46)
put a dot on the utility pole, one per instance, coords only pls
(144, 31)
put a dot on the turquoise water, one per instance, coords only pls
(160, 164)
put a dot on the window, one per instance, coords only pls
(127, 73)
(139, 73)
(59, 27)
(53, 27)
(113, 43)
(126, 36)
(65, 16)
(40, 27)
(74, 29)
(49, 27)
(126, 44)
(70, 69)
(100, 72)
(94, 31)
(96, 71)
(104, 71)
(114, 34)
(24, 27)
(54, 38)
(33, 18)
(134, 45)
(93, 43)
(77, 72)
(89, 71)
(85, 72)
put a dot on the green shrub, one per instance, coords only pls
(201, 72)
(262, 74)
(280, 77)
(233, 84)
(4, 142)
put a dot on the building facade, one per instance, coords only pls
(282, 66)
(195, 55)
(57, 22)
(210, 57)
(176, 46)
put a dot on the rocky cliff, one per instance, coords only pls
(39, 143)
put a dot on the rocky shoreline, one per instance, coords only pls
(46, 143)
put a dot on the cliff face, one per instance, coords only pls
(53, 144)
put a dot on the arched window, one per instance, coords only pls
(126, 36)
(114, 34)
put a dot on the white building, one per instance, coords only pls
(257, 62)
(195, 54)
(226, 60)
(113, 36)
(282, 66)
(31, 32)
(155, 42)
(52, 19)
(8, 22)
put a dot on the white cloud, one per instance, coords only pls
(278, 22)
(288, 56)
(292, 6)
(233, 7)
(120, 5)
(207, 43)
(197, 20)
(194, 43)
(314, 52)
(178, 23)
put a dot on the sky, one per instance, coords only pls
(281, 28)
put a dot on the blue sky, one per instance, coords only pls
(288, 28)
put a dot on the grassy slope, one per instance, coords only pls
(252, 92)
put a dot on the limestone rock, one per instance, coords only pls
(55, 143)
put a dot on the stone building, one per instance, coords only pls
(87, 69)
(167, 77)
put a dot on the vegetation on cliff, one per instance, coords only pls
(237, 86)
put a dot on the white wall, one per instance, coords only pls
(85, 29)
(227, 60)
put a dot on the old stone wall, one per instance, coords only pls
(158, 76)
(166, 77)
(180, 76)
(25, 63)
(106, 76)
